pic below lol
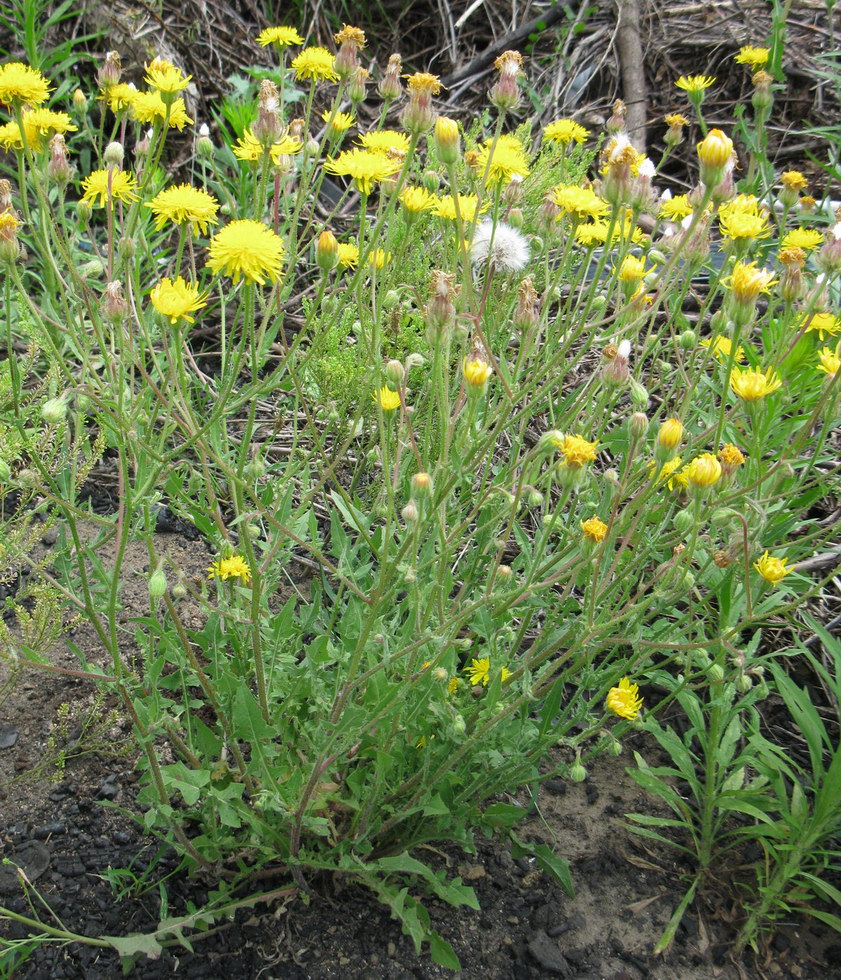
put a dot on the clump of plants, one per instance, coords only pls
(473, 477)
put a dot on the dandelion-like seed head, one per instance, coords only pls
(500, 245)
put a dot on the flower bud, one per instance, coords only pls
(254, 468)
(58, 168)
(715, 672)
(669, 438)
(126, 247)
(390, 87)
(459, 726)
(157, 583)
(639, 396)
(114, 306)
(714, 152)
(422, 485)
(744, 683)
(395, 373)
(447, 140)
(327, 251)
(356, 86)
(638, 425)
(80, 101)
(431, 181)
(54, 411)
(688, 339)
(179, 590)
(410, 512)
(684, 521)
(114, 154)
(577, 772)
(109, 73)
(535, 498)
(311, 148)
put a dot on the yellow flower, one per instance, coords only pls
(385, 140)
(753, 57)
(693, 84)
(772, 569)
(122, 187)
(805, 238)
(721, 348)
(21, 84)
(632, 269)
(753, 384)
(595, 233)
(675, 208)
(670, 434)
(577, 451)
(423, 83)
(675, 119)
(715, 149)
(246, 248)
(452, 685)
(348, 255)
(149, 107)
(315, 63)
(730, 455)
(594, 529)
(184, 204)
(337, 122)
(476, 372)
(281, 37)
(479, 671)
(581, 202)
(669, 474)
(38, 126)
(378, 258)
(793, 180)
(498, 164)
(624, 700)
(233, 567)
(704, 470)
(417, 199)
(364, 167)
(166, 77)
(445, 207)
(830, 362)
(743, 224)
(564, 132)
(119, 96)
(746, 282)
(822, 324)
(388, 400)
(354, 36)
(250, 148)
(175, 298)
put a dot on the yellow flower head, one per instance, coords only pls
(830, 362)
(233, 567)
(445, 207)
(39, 125)
(675, 119)
(378, 258)
(388, 400)
(316, 64)
(805, 238)
(721, 347)
(632, 269)
(280, 37)
(337, 122)
(693, 84)
(624, 700)
(581, 202)
(743, 224)
(119, 96)
(704, 470)
(565, 131)
(753, 384)
(353, 36)
(715, 149)
(21, 84)
(417, 199)
(671, 474)
(364, 167)
(501, 162)
(149, 107)
(670, 434)
(423, 83)
(793, 180)
(164, 77)
(248, 147)
(595, 233)
(246, 248)
(184, 204)
(594, 529)
(824, 324)
(752, 57)
(121, 186)
(577, 451)
(746, 282)
(772, 569)
(176, 298)
(384, 140)
(731, 456)
(675, 208)
(348, 255)
(479, 671)
(476, 372)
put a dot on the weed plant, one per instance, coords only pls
(477, 458)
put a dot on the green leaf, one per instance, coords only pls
(136, 944)
(666, 939)
(502, 815)
(546, 859)
(442, 952)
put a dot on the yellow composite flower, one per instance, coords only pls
(498, 164)
(753, 384)
(384, 140)
(479, 671)
(121, 186)
(423, 83)
(721, 348)
(234, 566)
(39, 125)
(378, 258)
(387, 399)
(251, 149)
(830, 362)
(417, 199)
(445, 207)
(577, 451)
(119, 96)
(281, 37)
(348, 255)
(671, 474)
(580, 202)
(738, 225)
(476, 371)
(715, 149)
(752, 57)
(793, 180)
(364, 167)
(772, 569)
(746, 282)
(704, 470)
(338, 122)
(565, 131)
(824, 324)
(246, 248)
(19, 84)
(624, 700)
(595, 233)
(165, 77)
(149, 107)
(670, 433)
(184, 204)
(177, 299)
(631, 270)
(594, 529)
(675, 208)
(731, 456)
(692, 84)
(805, 238)
(315, 63)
